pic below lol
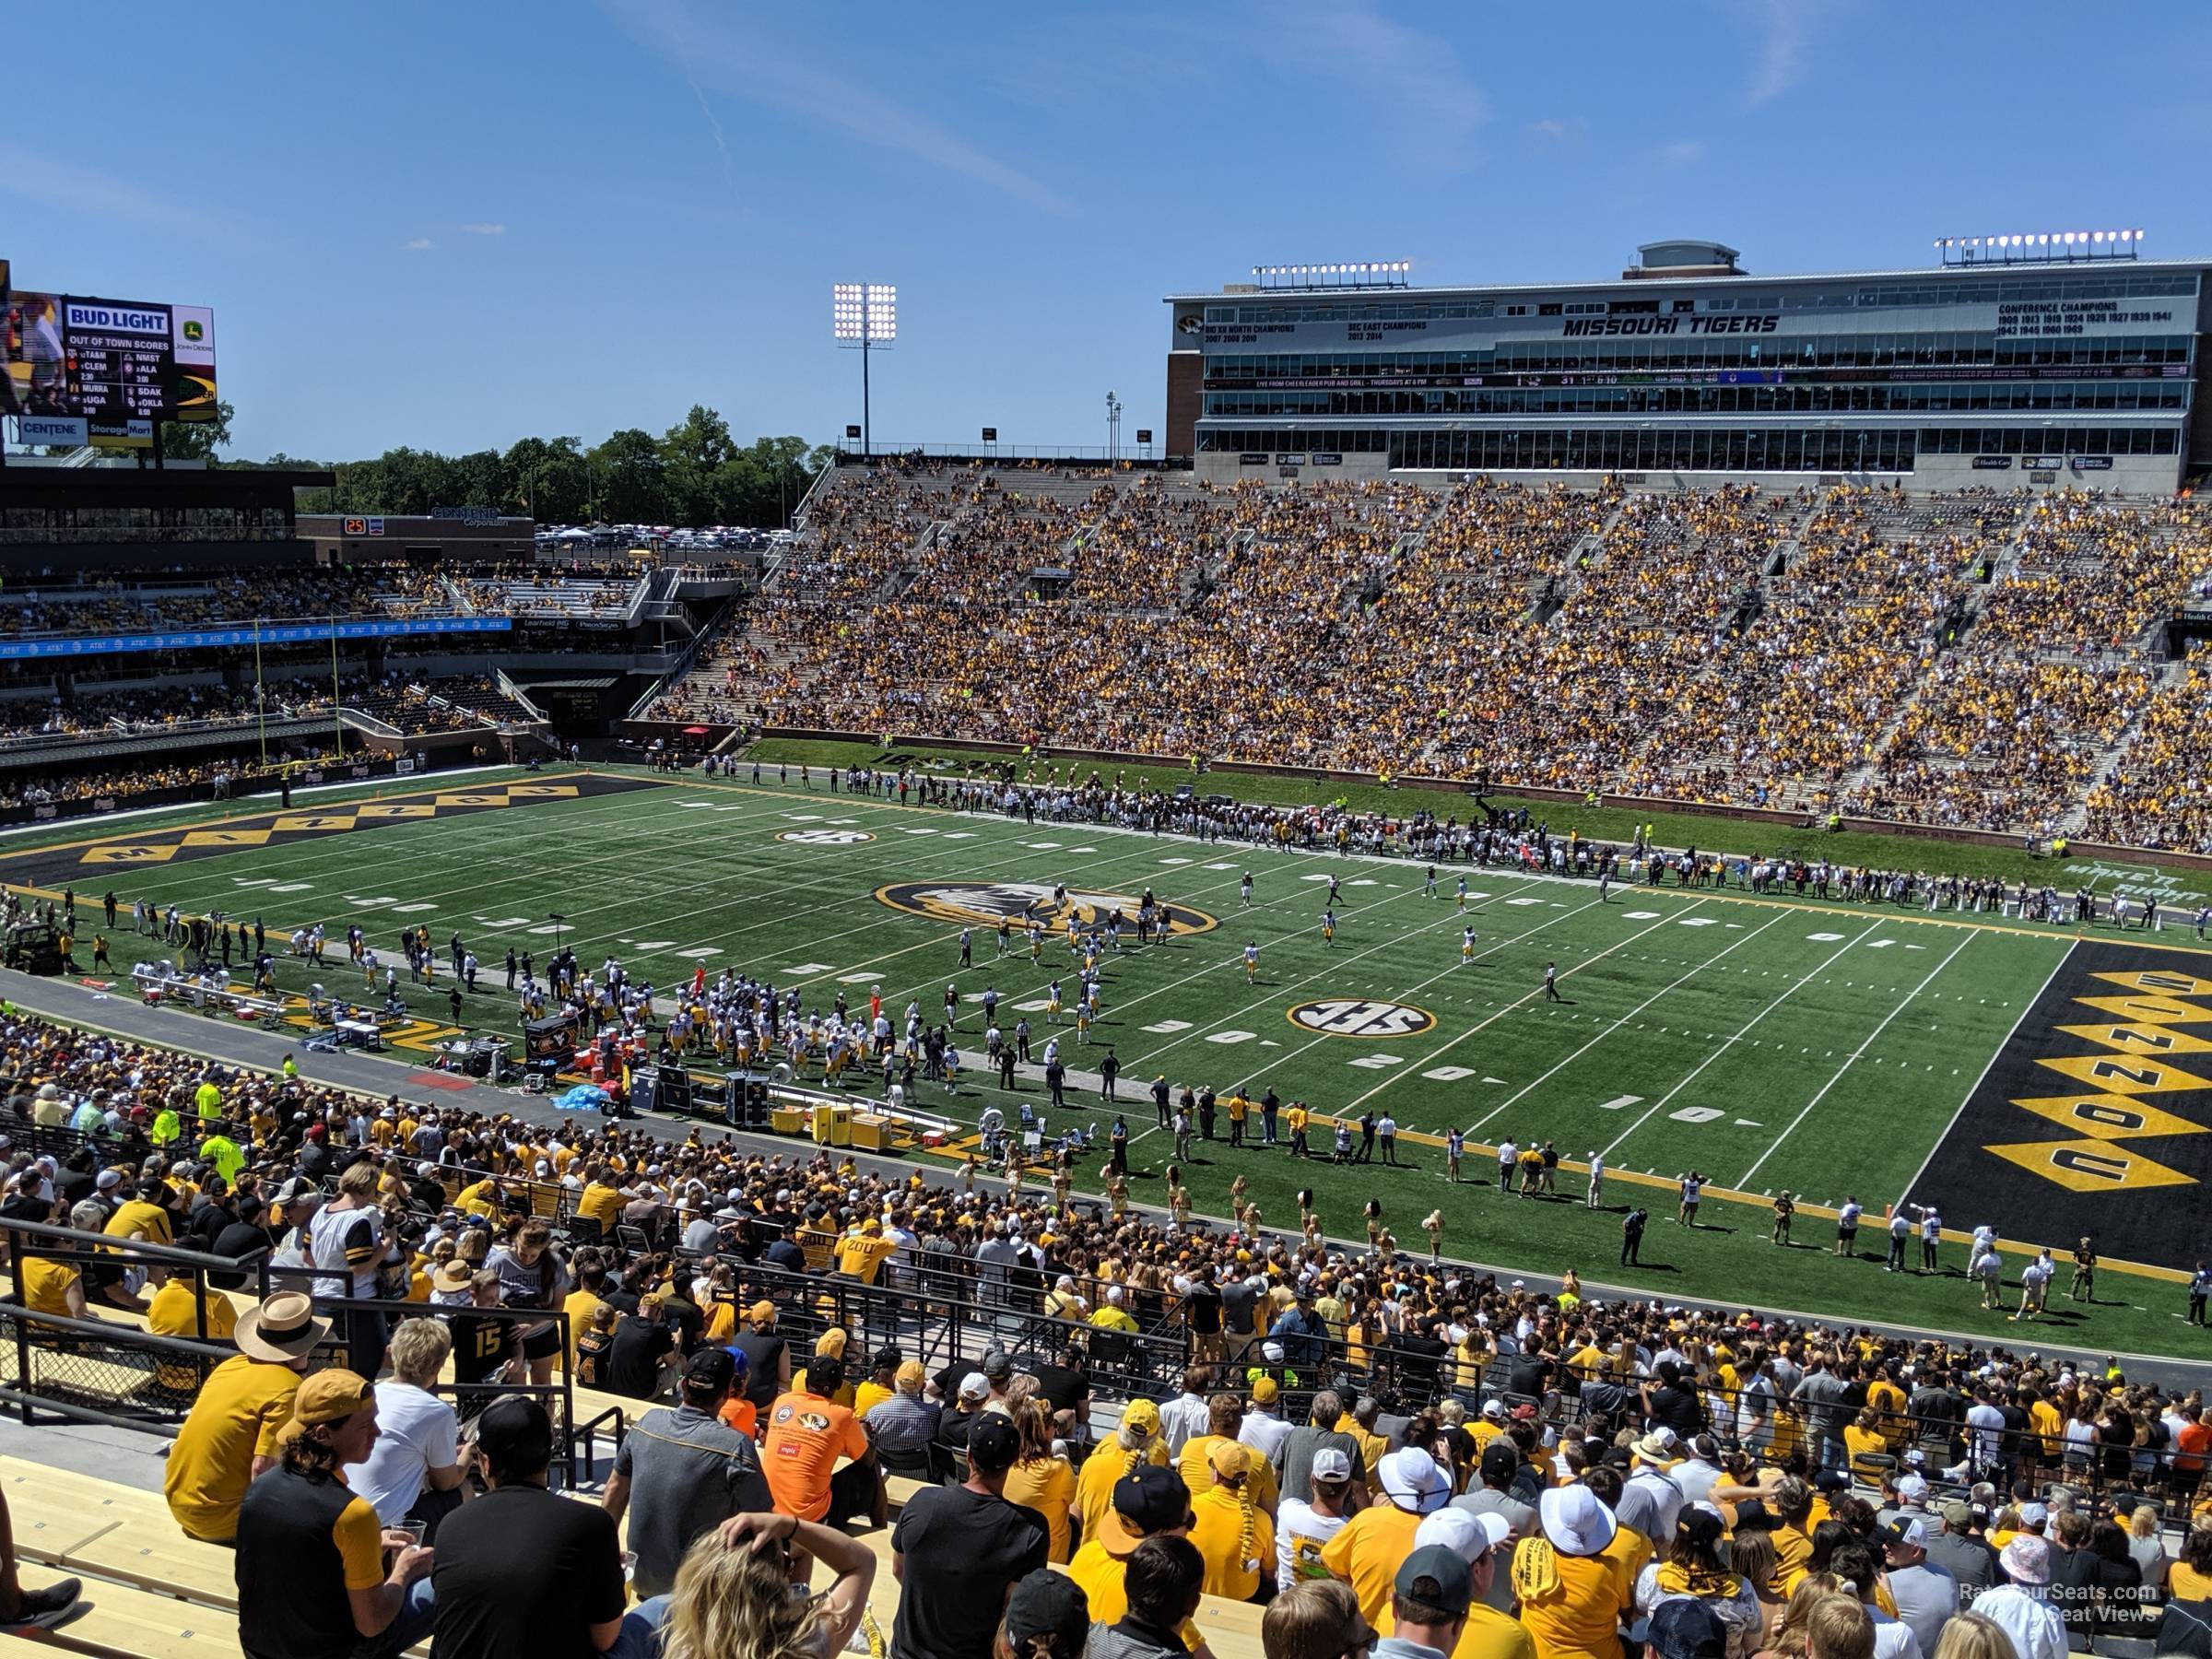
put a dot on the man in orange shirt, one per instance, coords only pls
(807, 1432)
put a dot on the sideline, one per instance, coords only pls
(2168, 1368)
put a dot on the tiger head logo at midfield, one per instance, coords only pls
(986, 904)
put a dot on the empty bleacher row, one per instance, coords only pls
(1980, 660)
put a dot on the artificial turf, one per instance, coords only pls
(1769, 1045)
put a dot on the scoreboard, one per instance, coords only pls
(122, 358)
(118, 364)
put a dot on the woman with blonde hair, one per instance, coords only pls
(1972, 1636)
(1752, 1558)
(1041, 1480)
(1138, 1442)
(733, 1596)
(1790, 1638)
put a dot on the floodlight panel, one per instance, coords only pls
(847, 309)
(882, 311)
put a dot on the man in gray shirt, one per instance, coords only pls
(687, 1470)
(1294, 1457)
(1962, 1551)
(1821, 1394)
(1927, 1596)
(1501, 1461)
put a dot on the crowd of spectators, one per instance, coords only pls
(1362, 1436)
(170, 603)
(2156, 794)
(1964, 659)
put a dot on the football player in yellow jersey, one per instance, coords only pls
(1083, 1020)
(1251, 962)
(1328, 927)
(1052, 1001)
(1036, 943)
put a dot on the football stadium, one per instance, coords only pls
(1547, 981)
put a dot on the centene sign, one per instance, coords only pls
(117, 319)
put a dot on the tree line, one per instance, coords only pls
(695, 473)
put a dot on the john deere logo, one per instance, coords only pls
(1344, 1017)
(195, 330)
(987, 904)
(825, 838)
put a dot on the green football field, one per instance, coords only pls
(1825, 1050)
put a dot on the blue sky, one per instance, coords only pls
(452, 226)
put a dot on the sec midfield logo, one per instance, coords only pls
(985, 904)
(826, 837)
(1348, 1017)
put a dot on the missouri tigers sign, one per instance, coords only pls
(986, 904)
(1352, 1016)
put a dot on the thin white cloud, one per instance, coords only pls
(1572, 126)
(728, 53)
(722, 139)
(484, 228)
(1682, 152)
(55, 182)
(1787, 33)
(1410, 80)
(416, 244)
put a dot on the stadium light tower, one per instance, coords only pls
(1113, 428)
(863, 316)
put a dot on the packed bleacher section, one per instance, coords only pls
(1025, 1383)
(167, 603)
(2156, 794)
(1977, 660)
(147, 775)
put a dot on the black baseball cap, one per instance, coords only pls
(515, 1437)
(1150, 1499)
(993, 1442)
(1050, 1604)
(1439, 1577)
(1686, 1628)
(711, 1370)
(1501, 1459)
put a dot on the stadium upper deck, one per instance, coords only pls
(1997, 373)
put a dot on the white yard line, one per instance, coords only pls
(2028, 1008)
(1515, 1098)
(1699, 1070)
(1487, 1020)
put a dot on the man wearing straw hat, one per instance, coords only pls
(232, 1433)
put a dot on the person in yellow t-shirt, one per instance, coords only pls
(1137, 1443)
(862, 1252)
(882, 1381)
(175, 1311)
(1571, 1592)
(230, 1435)
(482, 1198)
(1368, 1552)
(1150, 1503)
(578, 1304)
(47, 1287)
(1232, 1533)
(1040, 1480)
(601, 1200)
(1110, 1315)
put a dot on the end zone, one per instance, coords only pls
(2095, 1119)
